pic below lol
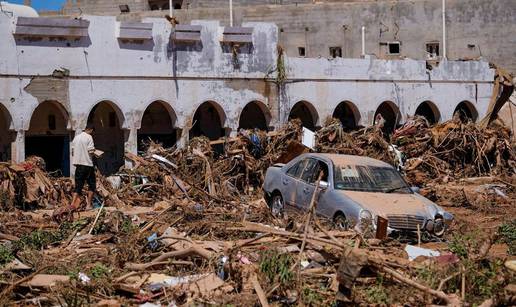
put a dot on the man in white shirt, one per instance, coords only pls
(83, 150)
(82, 153)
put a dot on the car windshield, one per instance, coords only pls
(369, 179)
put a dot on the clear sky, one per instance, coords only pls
(42, 5)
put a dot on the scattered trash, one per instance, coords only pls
(84, 278)
(414, 252)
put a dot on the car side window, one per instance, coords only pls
(296, 169)
(310, 168)
(320, 167)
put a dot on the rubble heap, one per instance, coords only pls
(190, 226)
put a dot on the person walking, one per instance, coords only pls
(83, 150)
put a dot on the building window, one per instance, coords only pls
(124, 8)
(112, 119)
(301, 51)
(52, 122)
(394, 47)
(432, 50)
(336, 52)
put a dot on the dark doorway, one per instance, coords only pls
(466, 112)
(55, 150)
(106, 118)
(346, 112)
(49, 138)
(390, 114)
(157, 126)
(6, 136)
(207, 121)
(305, 112)
(253, 116)
(429, 111)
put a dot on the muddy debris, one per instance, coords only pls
(190, 226)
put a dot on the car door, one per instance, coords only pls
(306, 184)
(290, 180)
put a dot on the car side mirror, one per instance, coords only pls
(323, 185)
(415, 189)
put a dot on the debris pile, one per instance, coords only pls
(445, 152)
(189, 226)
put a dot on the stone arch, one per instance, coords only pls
(306, 112)
(348, 114)
(158, 123)
(465, 110)
(115, 108)
(429, 110)
(209, 120)
(107, 119)
(48, 136)
(391, 115)
(255, 114)
(6, 135)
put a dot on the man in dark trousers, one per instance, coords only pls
(83, 150)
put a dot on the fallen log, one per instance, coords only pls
(191, 251)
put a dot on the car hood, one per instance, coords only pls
(384, 204)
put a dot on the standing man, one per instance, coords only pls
(83, 150)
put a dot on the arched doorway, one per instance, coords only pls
(429, 110)
(48, 137)
(107, 119)
(208, 121)
(466, 111)
(6, 136)
(254, 115)
(158, 122)
(306, 112)
(390, 114)
(348, 115)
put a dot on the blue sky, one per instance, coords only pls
(44, 5)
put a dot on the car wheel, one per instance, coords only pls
(341, 222)
(277, 205)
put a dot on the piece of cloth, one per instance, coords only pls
(82, 145)
(85, 174)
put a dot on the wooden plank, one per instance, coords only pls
(52, 22)
(188, 28)
(238, 38)
(50, 32)
(187, 36)
(136, 25)
(135, 34)
(238, 30)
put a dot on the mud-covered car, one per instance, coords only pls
(354, 191)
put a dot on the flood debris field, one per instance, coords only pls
(191, 227)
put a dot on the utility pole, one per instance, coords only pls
(444, 30)
(230, 13)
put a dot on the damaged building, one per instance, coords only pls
(150, 80)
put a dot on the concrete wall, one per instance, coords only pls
(132, 76)
(476, 28)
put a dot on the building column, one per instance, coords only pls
(18, 147)
(72, 136)
(182, 137)
(131, 144)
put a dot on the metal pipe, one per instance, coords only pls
(444, 30)
(230, 13)
(170, 8)
(363, 41)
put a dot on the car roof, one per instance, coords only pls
(350, 160)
